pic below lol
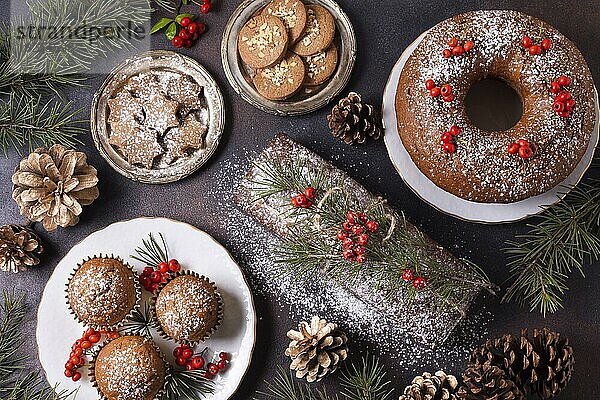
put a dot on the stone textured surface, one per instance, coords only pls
(383, 30)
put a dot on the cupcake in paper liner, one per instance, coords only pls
(103, 292)
(188, 308)
(129, 368)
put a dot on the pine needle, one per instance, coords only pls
(565, 238)
(152, 252)
(32, 122)
(366, 380)
(15, 384)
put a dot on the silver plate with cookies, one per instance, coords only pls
(158, 117)
(288, 57)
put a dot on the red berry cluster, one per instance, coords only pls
(457, 49)
(418, 282)
(189, 34)
(521, 147)
(304, 200)
(445, 90)
(76, 359)
(150, 277)
(206, 6)
(535, 49)
(449, 139)
(185, 357)
(354, 235)
(563, 102)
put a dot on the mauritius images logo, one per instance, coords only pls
(70, 37)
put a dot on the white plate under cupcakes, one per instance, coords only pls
(197, 252)
(449, 203)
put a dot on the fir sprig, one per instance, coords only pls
(565, 238)
(285, 387)
(365, 380)
(151, 252)
(30, 121)
(39, 56)
(140, 322)
(311, 246)
(15, 383)
(190, 385)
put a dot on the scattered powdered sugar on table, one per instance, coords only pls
(252, 245)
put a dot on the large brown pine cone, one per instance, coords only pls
(431, 387)
(19, 248)
(352, 121)
(487, 382)
(316, 349)
(542, 364)
(51, 186)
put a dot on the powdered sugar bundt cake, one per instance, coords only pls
(542, 65)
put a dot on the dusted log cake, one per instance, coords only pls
(542, 65)
(414, 317)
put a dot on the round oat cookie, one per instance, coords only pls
(292, 13)
(319, 32)
(262, 41)
(321, 66)
(281, 80)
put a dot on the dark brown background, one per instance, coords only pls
(384, 29)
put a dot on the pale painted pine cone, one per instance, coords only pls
(438, 386)
(19, 248)
(316, 349)
(51, 186)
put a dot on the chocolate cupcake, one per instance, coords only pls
(103, 292)
(129, 368)
(188, 308)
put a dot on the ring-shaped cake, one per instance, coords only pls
(485, 166)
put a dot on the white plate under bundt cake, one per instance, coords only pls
(542, 65)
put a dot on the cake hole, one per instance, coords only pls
(493, 105)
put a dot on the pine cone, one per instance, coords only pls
(431, 387)
(51, 185)
(542, 364)
(352, 121)
(316, 349)
(488, 383)
(19, 248)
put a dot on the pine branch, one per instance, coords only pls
(140, 323)
(565, 238)
(32, 122)
(190, 385)
(14, 383)
(367, 381)
(171, 6)
(363, 381)
(285, 387)
(152, 252)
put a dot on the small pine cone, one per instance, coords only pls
(316, 349)
(19, 248)
(487, 383)
(542, 365)
(431, 387)
(51, 186)
(352, 121)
